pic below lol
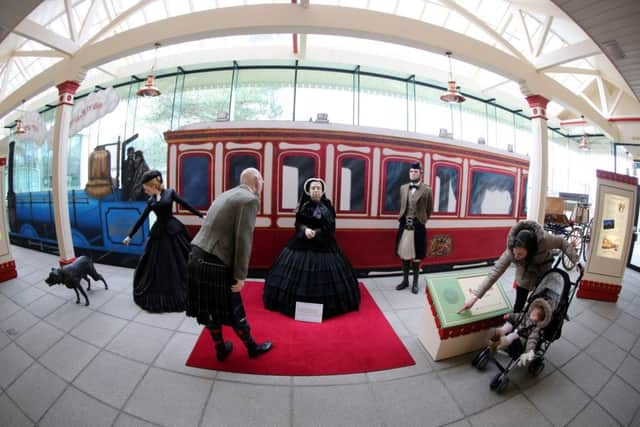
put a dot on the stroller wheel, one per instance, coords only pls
(536, 366)
(481, 359)
(499, 383)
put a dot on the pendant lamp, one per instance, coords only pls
(452, 95)
(149, 89)
(584, 143)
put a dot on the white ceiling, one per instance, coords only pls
(526, 44)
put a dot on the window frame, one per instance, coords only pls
(180, 162)
(434, 167)
(383, 187)
(296, 152)
(474, 169)
(226, 178)
(367, 184)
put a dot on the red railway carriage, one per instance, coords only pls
(479, 192)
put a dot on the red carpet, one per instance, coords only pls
(361, 341)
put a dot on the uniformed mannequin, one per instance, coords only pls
(416, 206)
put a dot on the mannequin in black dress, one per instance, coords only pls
(160, 279)
(312, 268)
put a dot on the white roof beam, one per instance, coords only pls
(590, 102)
(88, 20)
(121, 17)
(603, 95)
(526, 30)
(316, 19)
(39, 54)
(502, 28)
(572, 70)
(566, 54)
(21, 70)
(543, 36)
(107, 10)
(36, 32)
(72, 25)
(107, 72)
(615, 102)
(453, 5)
(5, 77)
(497, 85)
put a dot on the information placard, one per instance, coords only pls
(308, 312)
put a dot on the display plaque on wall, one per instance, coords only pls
(610, 240)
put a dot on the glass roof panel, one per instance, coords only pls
(46, 11)
(229, 3)
(435, 14)
(60, 26)
(457, 23)
(386, 6)
(411, 8)
(492, 11)
(52, 15)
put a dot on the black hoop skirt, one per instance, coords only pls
(160, 279)
(312, 276)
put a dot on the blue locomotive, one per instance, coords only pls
(98, 225)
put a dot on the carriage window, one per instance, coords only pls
(295, 171)
(238, 163)
(491, 193)
(445, 196)
(523, 206)
(195, 184)
(352, 184)
(397, 173)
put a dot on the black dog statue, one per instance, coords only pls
(70, 276)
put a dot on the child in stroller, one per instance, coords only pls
(530, 325)
(526, 336)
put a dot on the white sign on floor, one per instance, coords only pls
(308, 312)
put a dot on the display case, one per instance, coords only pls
(447, 333)
(611, 237)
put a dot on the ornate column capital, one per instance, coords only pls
(66, 90)
(538, 105)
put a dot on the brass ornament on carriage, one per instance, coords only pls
(99, 184)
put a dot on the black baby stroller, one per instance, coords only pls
(557, 290)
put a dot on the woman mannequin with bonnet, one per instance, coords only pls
(312, 268)
(160, 279)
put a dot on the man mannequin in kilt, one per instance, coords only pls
(219, 262)
(416, 206)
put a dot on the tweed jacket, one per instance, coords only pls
(227, 231)
(527, 274)
(424, 202)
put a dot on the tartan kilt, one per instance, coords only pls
(420, 237)
(208, 289)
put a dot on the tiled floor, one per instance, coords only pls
(111, 364)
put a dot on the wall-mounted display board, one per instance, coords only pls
(447, 333)
(611, 234)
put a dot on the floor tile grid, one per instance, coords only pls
(368, 380)
(592, 399)
(70, 384)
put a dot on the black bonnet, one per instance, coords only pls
(149, 175)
